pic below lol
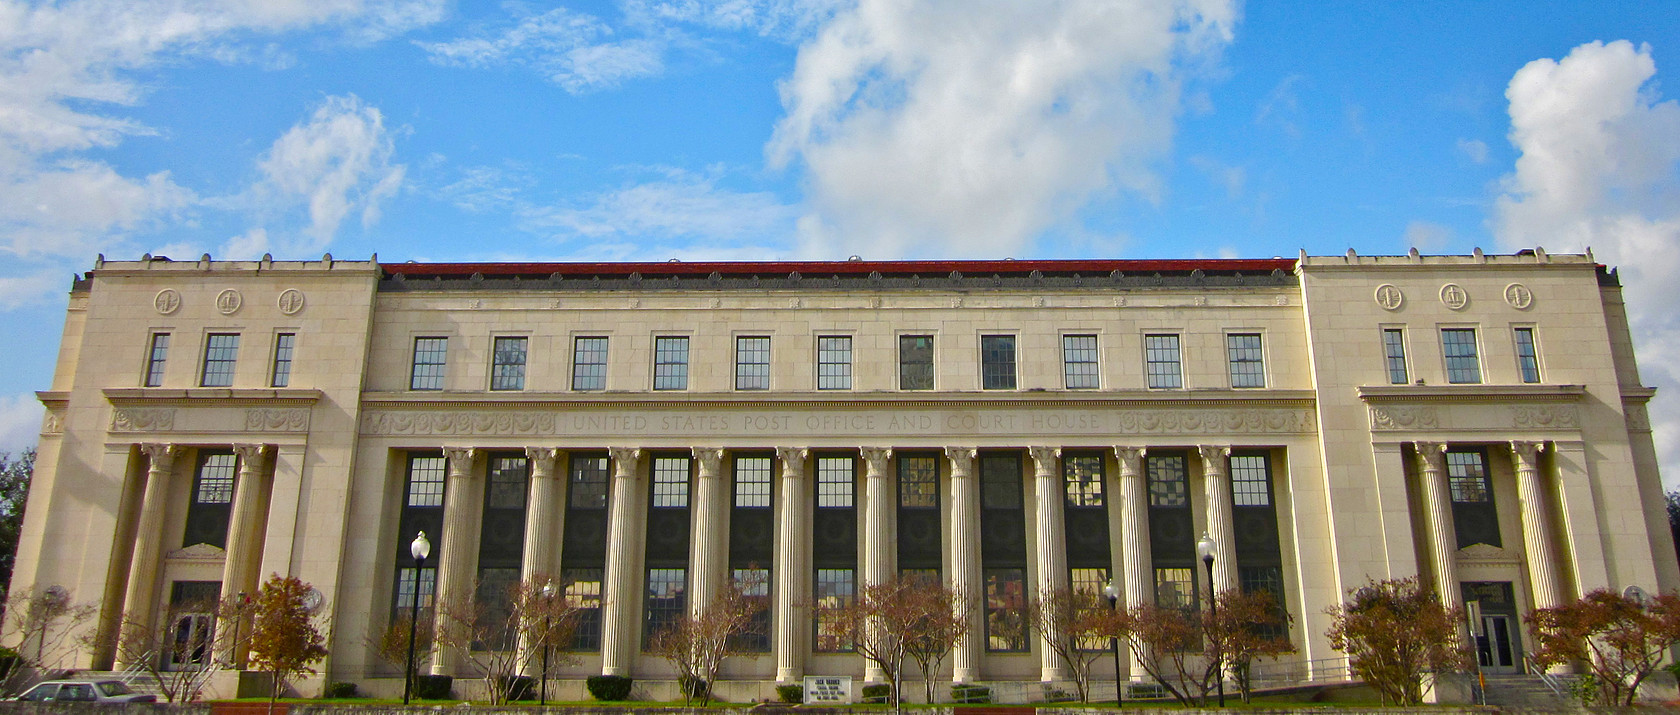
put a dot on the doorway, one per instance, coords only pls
(1493, 645)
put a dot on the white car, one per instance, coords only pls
(85, 691)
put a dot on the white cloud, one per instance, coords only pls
(1282, 107)
(1427, 237)
(246, 246)
(68, 209)
(20, 421)
(678, 205)
(969, 128)
(338, 161)
(1474, 149)
(1600, 167)
(35, 288)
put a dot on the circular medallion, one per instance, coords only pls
(1454, 296)
(313, 600)
(290, 301)
(167, 301)
(1390, 297)
(1519, 296)
(228, 301)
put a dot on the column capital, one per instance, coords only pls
(625, 460)
(460, 461)
(251, 456)
(875, 460)
(161, 455)
(1044, 460)
(1432, 456)
(1213, 455)
(962, 460)
(1526, 453)
(793, 461)
(710, 460)
(1131, 460)
(542, 461)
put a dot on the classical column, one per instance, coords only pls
(1138, 568)
(709, 547)
(791, 572)
(624, 524)
(1052, 546)
(1216, 475)
(1438, 521)
(965, 563)
(244, 543)
(877, 532)
(545, 514)
(138, 606)
(1537, 531)
(457, 553)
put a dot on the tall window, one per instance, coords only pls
(835, 589)
(751, 530)
(212, 500)
(1079, 361)
(834, 362)
(1161, 362)
(670, 363)
(1175, 588)
(752, 362)
(589, 363)
(422, 510)
(755, 586)
(1528, 361)
(1091, 581)
(221, 352)
(1459, 347)
(1475, 516)
(425, 481)
(1006, 599)
(752, 482)
(1248, 368)
(281, 375)
(997, 362)
(1083, 475)
(589, 483)
(1467, 477)
(407, 579)
(666, 599)
(1168, 480)
(918, 482)
(915, 362)
(834, 482)
(670, 482)
(584, 545)
(507, 363)
(1250, 483)
(583, 592)
(918, 534)
(1394, 353)
(430, 356)
(156, 358)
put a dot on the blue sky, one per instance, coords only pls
(753, 129)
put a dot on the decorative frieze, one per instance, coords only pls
(136, 419)
(458, 423)
(276, 420)
(1395, 417)
(1545, 417)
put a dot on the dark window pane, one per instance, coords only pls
(997, 362)
(1161, 361)
(1467, 477)
(507, 482)
(834, 362)
(1006, 624)
(589, 482)
(670, 363)
(1247, 366)
(430, 355)
(1079, 361)
(589, 364)
(666, 599)
(834, 591)
(507, 370)
(1394, 351)
(1083, 477)
(156, 359)
(1168, 480)
(281, 376)
(1000, 481)
(918, 482)
(915, 362)
(1459, 347)
(221, 352)
(1528, 361)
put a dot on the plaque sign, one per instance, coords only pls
(828, 689)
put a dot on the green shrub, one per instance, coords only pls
(518, 687)
(791, 693)
(609, 687)
(336, 691)
(877, 693)
(971, 694)
(433, 687)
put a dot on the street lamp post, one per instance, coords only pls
(1112, 591)
(419, 549)
(548, 626)
(1204, 548)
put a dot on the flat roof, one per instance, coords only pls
(843, 268)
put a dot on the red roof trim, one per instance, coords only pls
(828, 268)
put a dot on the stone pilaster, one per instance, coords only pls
(138, 604)
(1052, 572)
(457, 553)
(1216, 476)
(877, 531)
(709, 545)
(1138, 568)
(1537, 528)
(965, 562)
(545, 514)
(792, 575)
(620, 601)
(1438, 521)
(244, 538)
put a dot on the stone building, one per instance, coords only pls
(644, 432)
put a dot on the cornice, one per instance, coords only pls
(211, 396)
(1413, 394)
(1635, 394)
(1205, 399)
(53, 397)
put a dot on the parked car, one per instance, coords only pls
(85, 691)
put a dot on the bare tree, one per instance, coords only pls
(1247, 626)
(44, 624)
(391, 644)
(1164, 641)
(487, 627)
(1623, 640)
(180, 652)
(697, 644)
(1074, 625)
(1395, 634)
(911, 618)
(935, 618)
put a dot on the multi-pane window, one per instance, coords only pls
(212, 500)
(507, 366)
(215, 480)
(1079, 361)
(666, 600)
(583, 592)
(1528, 361)
(1083, 478)
(507, 477)
(1394, 355)
(918, 482)
(997, 362)
(1248, 368)
(1250, 481)
(281, 375)
(1006, 624)
(834, 591)
(1168, 480)
(407, 579)
(1092, 581)
(752, 481)
(1161, 362)
(670, 362)
(1458, 345)
(1175, 588)
(1467, 477)
(430, 356)
(425, 481)
(589, 363)
(915, 362)
(1000, 482)
(834, 482)
(834, 362)
(1266, 579)
(670, 482)
(754, 584)
(752, 362)
(156, 358)
(221, 352)
(589, 482)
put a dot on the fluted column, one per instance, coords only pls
(1438, 521)
(244, 541)
(965, 563)
(621, 601)
(709, 546)
(457, 555)
(138, 604)
(877, 532)
(544, 518)
(791, 572)
(1537, 528)
(1052, 546)
(1216, 473)
(1138, 567)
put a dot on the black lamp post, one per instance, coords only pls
(1112, 591)
(1204, 548)
(419, 549)
(548, 626)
